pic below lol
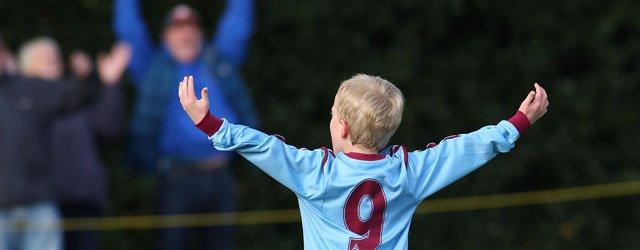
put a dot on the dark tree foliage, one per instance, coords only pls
(461, 64)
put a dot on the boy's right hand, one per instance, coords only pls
(535, 105)
(196, 109)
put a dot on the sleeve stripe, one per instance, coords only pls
(406, 157)
(326, 156)
(451, 137)
(279, 137)
(395, 149)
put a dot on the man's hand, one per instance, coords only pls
(196, 109)
(81, 64)
(535, 105)
(111, 66)
(9, 65)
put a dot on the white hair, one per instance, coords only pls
(26, 54)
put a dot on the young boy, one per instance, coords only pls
(362, 194)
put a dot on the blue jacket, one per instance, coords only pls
(156, 76)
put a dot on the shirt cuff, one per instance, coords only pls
(520, 121)
(209, 124)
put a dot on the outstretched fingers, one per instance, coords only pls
(190, 92)
(182, 90)
(187, 95)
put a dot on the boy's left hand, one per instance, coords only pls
(196, 109)
(535, 105)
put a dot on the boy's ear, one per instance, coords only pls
(344, 129)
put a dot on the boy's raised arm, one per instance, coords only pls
(300, 170)
(439, 165)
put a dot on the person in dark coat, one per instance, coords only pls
(29, 106)
(29, 218)
(79, 175)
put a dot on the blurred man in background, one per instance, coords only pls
(194, 178)
(79, 175)
(28, 215)
(29, 106)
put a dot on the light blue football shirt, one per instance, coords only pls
(358, 201)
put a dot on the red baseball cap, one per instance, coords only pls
(182, 14)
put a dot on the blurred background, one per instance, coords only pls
(461, 64)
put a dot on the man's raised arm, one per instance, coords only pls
(234, 30)
(107, 115)
(130, 28)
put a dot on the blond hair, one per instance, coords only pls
(27, 54)
(372, 107)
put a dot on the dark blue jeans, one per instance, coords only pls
(185, 189)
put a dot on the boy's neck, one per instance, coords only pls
(349, 148)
